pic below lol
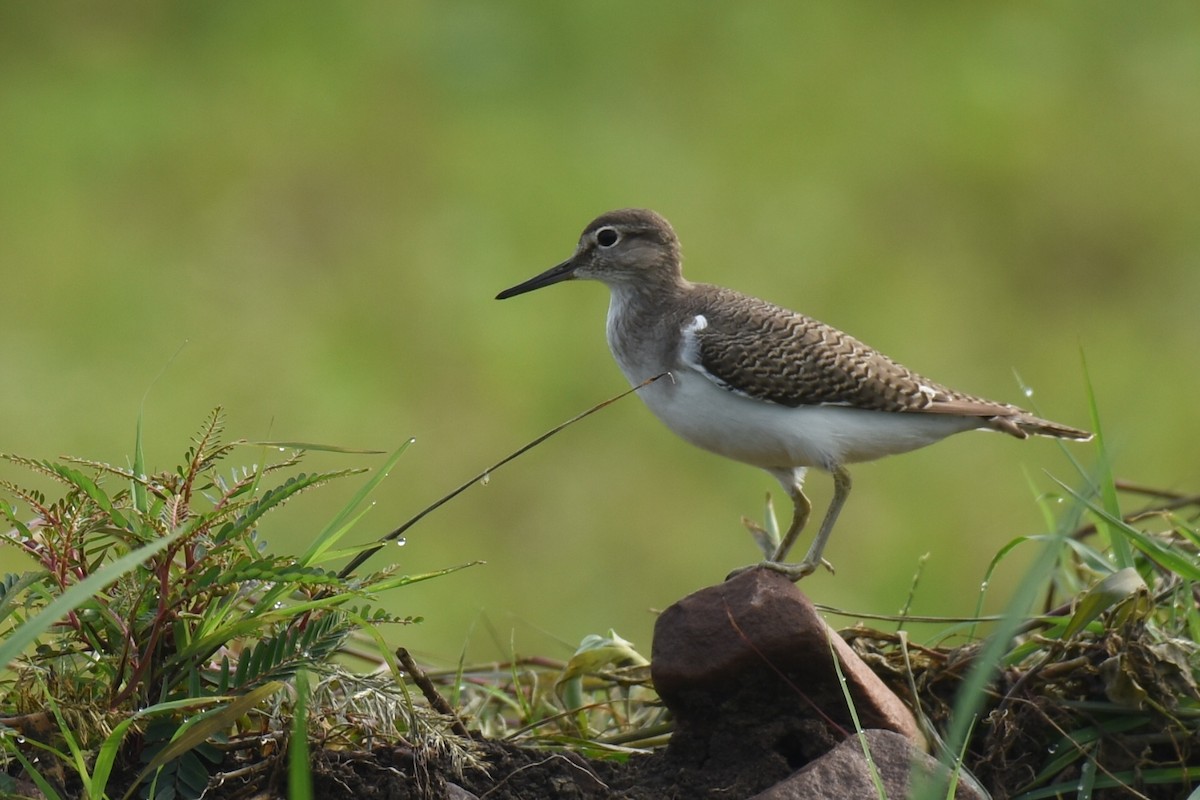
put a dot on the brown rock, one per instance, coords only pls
(746, 668)
(759, 626)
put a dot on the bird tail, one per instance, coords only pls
(1022, 424)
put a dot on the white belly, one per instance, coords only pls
(773, 436)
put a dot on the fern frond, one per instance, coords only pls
(278, 657)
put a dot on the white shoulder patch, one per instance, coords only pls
(689, 345)
(689, 350)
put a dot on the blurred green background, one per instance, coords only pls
(318, 202)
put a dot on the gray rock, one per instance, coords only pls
(845, 774)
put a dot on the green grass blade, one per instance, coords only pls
(36, 776)
(343, 520)
(141, 500)
(317, 448)
(319, 551)
(1175, 561)
(77, 754)
(876, 778)
(299, 769)
(106, 756)
(1122, 552)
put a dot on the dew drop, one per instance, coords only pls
(1028, 391)
(401, 542)
(486, 479)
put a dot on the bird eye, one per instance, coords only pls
(607, 237)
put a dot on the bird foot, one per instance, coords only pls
(792, 572)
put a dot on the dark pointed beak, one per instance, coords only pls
(562, 272)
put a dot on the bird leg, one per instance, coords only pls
(813, 559)
(801, 507)
(841, 490)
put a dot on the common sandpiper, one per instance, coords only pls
(757, 383)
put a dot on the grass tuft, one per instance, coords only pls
(158, 624)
